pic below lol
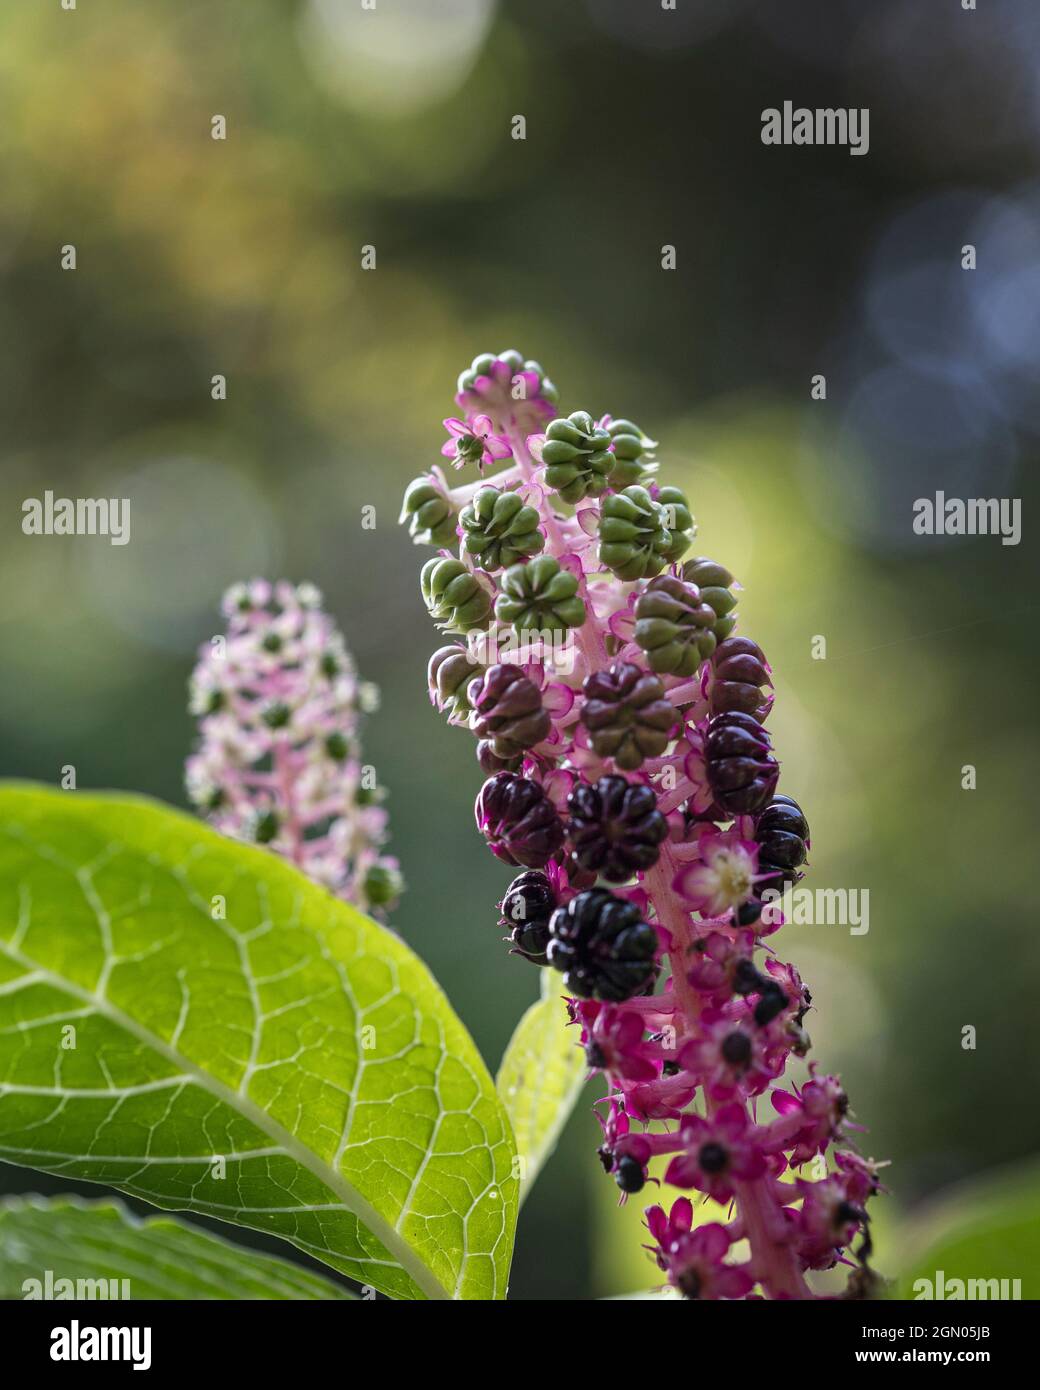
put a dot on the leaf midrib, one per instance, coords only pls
(335, 1182)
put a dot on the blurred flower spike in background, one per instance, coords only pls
(279, 705)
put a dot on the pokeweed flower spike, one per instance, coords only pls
(278, 762)
(620, 720)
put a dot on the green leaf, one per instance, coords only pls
(291, 1067)
(540, 1078)
(159, 1257)
(987, 1229)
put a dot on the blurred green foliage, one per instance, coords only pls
(983, 1230)
(243, 258)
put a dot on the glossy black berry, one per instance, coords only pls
(772, 1002)
(526, 908)
(603, 947)
(629, 1175)
(615, 828)
(782, 834)
(747, 978)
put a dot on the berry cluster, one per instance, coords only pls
(278, 761)
(621, 724)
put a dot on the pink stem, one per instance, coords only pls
(587, 639)
(284, 772)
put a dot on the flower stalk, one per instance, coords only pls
(278, 763)
(633, 781)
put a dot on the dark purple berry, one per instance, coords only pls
(627, 715)
(782, 833)
(739, 670)
(772, 1002)
(526, 908)
(491, 763)
(629, 1175)
(518, 820)
(508, 711)
(602, 946)
(742, 771)
(615, 828)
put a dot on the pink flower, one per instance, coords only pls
(694, 1260)
(810, 1118)
(860, 1175)
(730, 1057)
(827, 1221)
(615, 1045)
(723, 876)
(622, 1153)
(474, 441)
(721, 963)
(694, 766)
(719, 1151)
(663, 1099)
(789, 980)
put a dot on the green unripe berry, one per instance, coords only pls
(632, 462)
(457, 601)
(539, 597)
(577, 458)
(714, 582)
(430, 514)
(337, 747)
(276, 715)
(498, 528)
(678, 520)
(448, 676)
(635, 531)
(383, 885)
(674, 626)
